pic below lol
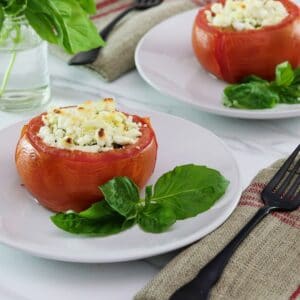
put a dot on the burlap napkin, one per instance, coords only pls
(265, 267)
(117, 57)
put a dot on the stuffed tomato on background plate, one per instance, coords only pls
(232, 54)
(171, 66)
(26, 225)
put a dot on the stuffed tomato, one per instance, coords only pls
(232, 54)
(62, 162)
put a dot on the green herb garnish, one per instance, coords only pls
(179, 194)
(65, 23)
(256, 93)
(62, 22)
(1, 17)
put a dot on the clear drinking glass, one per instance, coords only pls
(24, 77)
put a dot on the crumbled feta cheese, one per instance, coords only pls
(246, 14)
(89, 127)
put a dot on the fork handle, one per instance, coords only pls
(109, 27)
(200, 286)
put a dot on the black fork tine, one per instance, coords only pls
(282, 171)
(148, 2)
(289, 178)
(291, 193)
(297, 197)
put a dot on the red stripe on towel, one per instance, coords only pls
(105, 3)
(287, 218)
(296, 294)
(251, 198)
(111, 11)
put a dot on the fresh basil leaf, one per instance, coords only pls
(98, 210)
(288, 95)
(253, 78)
(77, 32)
(43, 26)
(15, 7)
(6, 3)
(122, 195)
(74, 223)
(88, 5)
(1, 17)
(256, 93)
(99, 220)
(296, 77)
(128, 223)
(189, 190)
(71, 28)
(179, 194)
(284, 74)
(42, 18)
(156, 218)
(252, 95)
(148, 194)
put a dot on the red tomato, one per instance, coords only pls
(62, 179)
(232, 55)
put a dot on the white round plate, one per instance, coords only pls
(165, 59)
(25, 225)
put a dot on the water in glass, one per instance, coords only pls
(24, 78)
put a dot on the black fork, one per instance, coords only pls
(282, 193)
(90, 56)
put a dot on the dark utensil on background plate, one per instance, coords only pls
(90, 56)
(282, 193)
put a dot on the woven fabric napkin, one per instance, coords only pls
(117, 57)
(265, 267)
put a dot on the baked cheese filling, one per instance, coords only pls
(89, 127)
(246, 14)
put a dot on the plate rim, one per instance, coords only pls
(258, 114)
(158, 251)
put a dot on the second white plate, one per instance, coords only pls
(25, 225)
(165, 59)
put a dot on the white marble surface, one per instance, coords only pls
(255, 144)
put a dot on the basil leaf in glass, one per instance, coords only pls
(77, 31)
(88, 6)
(1, 17)
(15, 7)
(65, 23)
(42, 24)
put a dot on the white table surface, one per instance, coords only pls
(255, 144)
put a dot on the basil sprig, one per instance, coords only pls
(179, 194)
(1, 17)
(256, 93)
(62, 22)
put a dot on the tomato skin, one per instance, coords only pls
(61, 179)
(232, 55)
